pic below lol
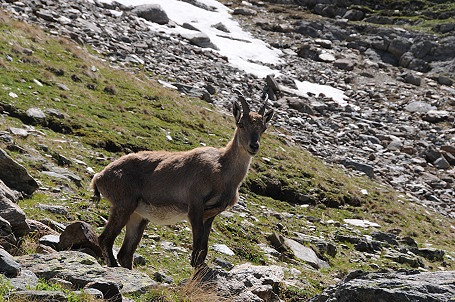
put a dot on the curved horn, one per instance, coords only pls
(262, 110)
(245, 107)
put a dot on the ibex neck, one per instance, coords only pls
(236, 158)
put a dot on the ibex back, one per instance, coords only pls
(166, 187)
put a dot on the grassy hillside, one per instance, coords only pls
(416, 14)
(108, 111)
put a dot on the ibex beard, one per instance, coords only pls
(167, 187)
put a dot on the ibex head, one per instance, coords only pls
(250, 125)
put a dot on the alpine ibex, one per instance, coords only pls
(166, 187)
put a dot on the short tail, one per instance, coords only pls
(96, 194)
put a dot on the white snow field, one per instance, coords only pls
(242, 50)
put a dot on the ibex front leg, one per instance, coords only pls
(205, 240)
(195, 216)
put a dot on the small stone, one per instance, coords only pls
(19, 132)
(394, 145)
(244, 11)
(412, 79)
(35, 113)
(436, 116)
(365, 168)
(408, 150)
(190, 26)
(62, 86)
(326, 57)
(223, 263)
(201, 40)
(419, 106)
(220, 26)
(324, 43)
(139, 259)
(51, 241)
(64, 20)
(44, 249)
(444, 80)
(344, 64)
(162, 278)
(13, 95)
(37, 82)
(222, 248)
(441, 163)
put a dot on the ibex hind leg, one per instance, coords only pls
(134, 231)
(117, 220)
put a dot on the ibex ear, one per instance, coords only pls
(237, 111)
(268, 116)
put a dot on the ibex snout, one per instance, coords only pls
(253, 147)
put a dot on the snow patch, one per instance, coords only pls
(241, 48)
(362, 223)
(336, 94)
(243, 51)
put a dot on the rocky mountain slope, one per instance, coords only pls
(301, 224)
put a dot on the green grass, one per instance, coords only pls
(100, 126)
(5, 288)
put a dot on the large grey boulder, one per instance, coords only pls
(12, 213)
(151, 12)
(79, 235)
(81, 269)
(392, 287)
(7, 239)
(8, 266)
(15, 176)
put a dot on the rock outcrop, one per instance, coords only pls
(392, 287)
(15, 176)
(80, 269)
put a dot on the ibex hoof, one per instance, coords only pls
(198, 258)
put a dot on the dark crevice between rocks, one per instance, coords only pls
(280, 190)
(53, 123)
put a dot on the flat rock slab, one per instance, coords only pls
(392, 287)
(305, 254)
(81, 269)
(37, 295)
